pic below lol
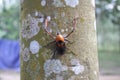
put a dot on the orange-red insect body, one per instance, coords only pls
(60, 44)
(59, 39)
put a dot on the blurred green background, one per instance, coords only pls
(108, 30)
(108, 35)
(9, 19)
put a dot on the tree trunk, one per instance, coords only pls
(40, 20)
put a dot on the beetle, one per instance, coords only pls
(59, 39)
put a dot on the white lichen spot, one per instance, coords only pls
(48, 18)
(71, 78)
(58, 3)
(62, 30)
(66, 29)
(63, 14)
(37, 55)
(81, 77)
(53, 66)
(95, 72)
(25, 54)
(64, 68)
(77, 67)
(34, 47)
(50, 30)
(30, 27)
(40, 17)
(72, 3)
(95, 24)
(93, 2)
(58, 77)
(43, 2)
(36, 13)
(41, 20)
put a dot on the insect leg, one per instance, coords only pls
(54, 54)
(46, 25)
(68, 41)
(74, 26)
(49, 43)
(70, 51)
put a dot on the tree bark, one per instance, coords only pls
(79, 61)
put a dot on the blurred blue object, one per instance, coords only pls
(9, 54)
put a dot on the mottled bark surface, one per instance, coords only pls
(79, 62)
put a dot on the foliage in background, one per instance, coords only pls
(108, 34)
(9, 22)
(108, 21)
